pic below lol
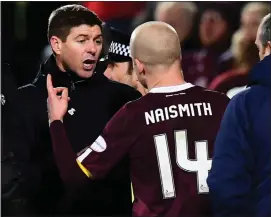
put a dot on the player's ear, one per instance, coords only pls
(56, 44)
(268, 48)
(139, 65)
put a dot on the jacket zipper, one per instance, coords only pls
(72, 86)
(71, 82)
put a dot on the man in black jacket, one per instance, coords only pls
(76, 39)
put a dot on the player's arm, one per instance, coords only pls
(96, 160)
(229, 181)
(110, 147)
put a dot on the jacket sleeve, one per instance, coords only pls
(229, 179)
(97, 159)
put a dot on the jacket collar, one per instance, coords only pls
(261, 73)
(67, 79)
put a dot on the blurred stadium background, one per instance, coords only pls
(216, 37)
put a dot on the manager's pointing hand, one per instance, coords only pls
(57, 105)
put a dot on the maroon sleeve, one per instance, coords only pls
(98, 158)
(109, 148)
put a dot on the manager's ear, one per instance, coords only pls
(56, 44)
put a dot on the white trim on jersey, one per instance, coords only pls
(171, 89)
(232, 92)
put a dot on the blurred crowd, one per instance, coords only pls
(217, 38)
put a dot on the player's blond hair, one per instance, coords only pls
(155, 43)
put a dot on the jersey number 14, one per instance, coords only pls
(201, 165)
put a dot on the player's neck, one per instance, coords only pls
(166, 83)
(142, 90)
(165, 79)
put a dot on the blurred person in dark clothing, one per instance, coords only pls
(119, 66)
(8, 100)
(75, 35)
(181, 16)
(215, 30)
(12, 199)
(8, 88)
(251, 16)
(245, 54)
(239, 180)
(216, 27)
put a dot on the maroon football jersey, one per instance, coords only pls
(169, 135)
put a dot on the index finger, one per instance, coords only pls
(49, 84)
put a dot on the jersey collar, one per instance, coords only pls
(170, 89)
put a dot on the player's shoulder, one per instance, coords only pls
(212, 94)
(217, 99)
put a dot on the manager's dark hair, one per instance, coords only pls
(266, 30)
(66, 17)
